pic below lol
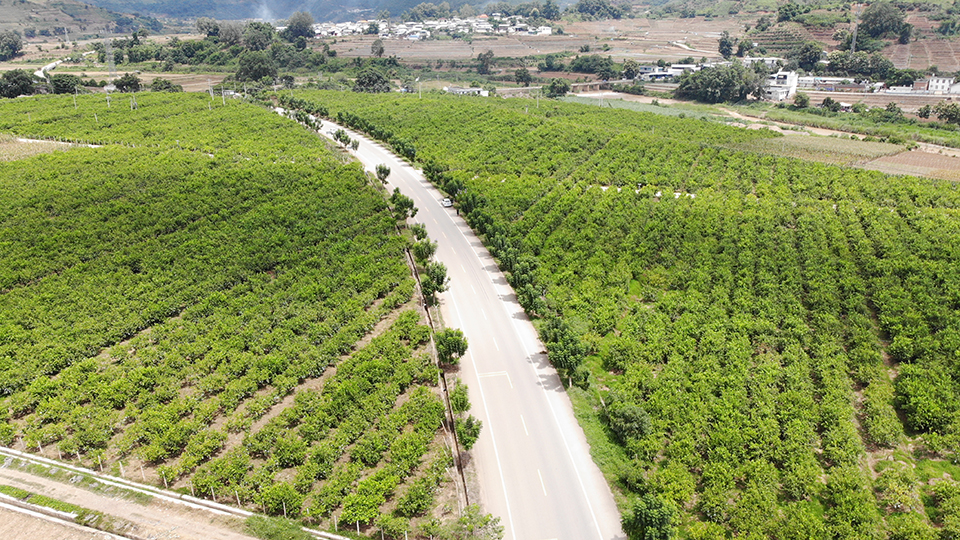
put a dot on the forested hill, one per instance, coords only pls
(759, 347)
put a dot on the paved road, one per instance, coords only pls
(533, 461)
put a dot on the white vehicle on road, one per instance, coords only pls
(446, 203)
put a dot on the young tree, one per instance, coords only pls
(451, 345)
(925, 111)
(383, 172)
(403, 207)
(434, 280)
(801, 100)
(423, 250)
(468, 431)
(377, 48)
(459, 399)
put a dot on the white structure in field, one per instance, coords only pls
(781, 86)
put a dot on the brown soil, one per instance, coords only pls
(919, 163)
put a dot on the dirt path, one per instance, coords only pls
(156, 519)
(15, 525)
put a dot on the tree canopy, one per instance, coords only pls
(10, 44)
(370, 80)
(731, 83)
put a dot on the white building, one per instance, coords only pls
(781, 86)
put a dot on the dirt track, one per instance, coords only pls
(156, 519)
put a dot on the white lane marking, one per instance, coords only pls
(556, 419)
(484, 313)
(472, 289)
(522, 421)
(464, 270)
(453, 250)
(498, 347)
(444, 234)
(493, 437)
(500, 374)
(435, 221)
(542, 486)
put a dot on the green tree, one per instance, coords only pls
(631, 68)
(403, 207)
(10, 44)
(627, 420)
(485, 62)
(382, 172)
(809, 55)
(207, 26)
(371, 81)
(258, 36)
(726, 44)
(300, 24)
(280, 498)
(255, 65)
(801, 100)
(522, 76)
(128, 83)
(373, 29)
(423, 250)
(459, 398)
(550, 11)
(451, 345)
(650, 518)
(231, 32)
(434, 280)
(947, 112)
(164, 85)
(924, 112)
(468, 431)
(730, 83)
(880, 19)
(377, 48)
(558, 88)
(473, 524)
(790, 11)
(16, 82)
(65, 83)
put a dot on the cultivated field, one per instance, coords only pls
(918, 164)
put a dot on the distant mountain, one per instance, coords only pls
(322, 10)
(69, 18)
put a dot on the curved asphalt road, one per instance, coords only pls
(533, 461)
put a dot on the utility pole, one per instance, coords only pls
(856, 26)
